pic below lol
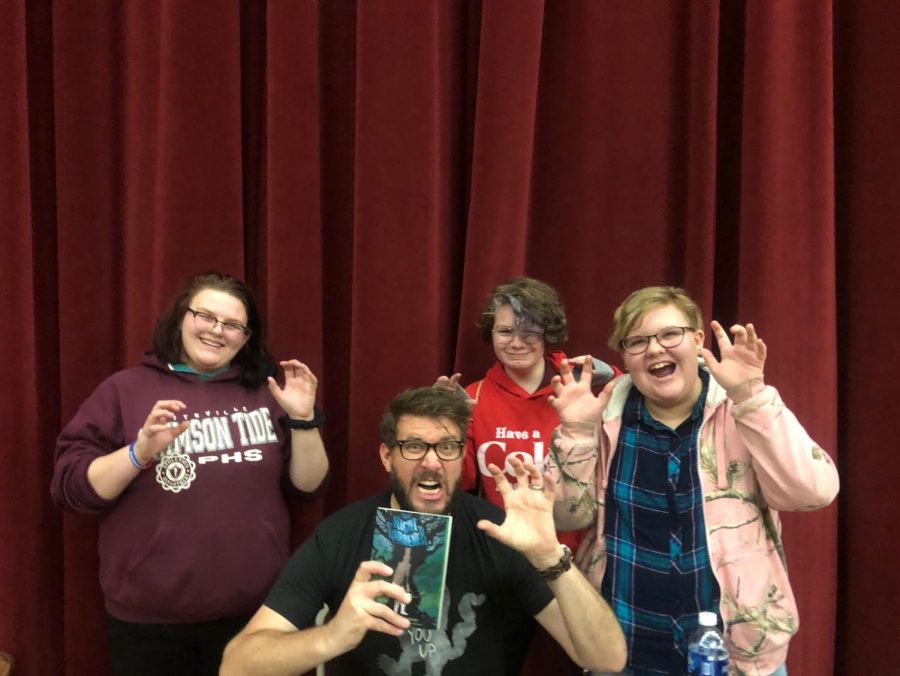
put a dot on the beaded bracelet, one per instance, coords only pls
(133, 457)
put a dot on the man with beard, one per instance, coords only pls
(501, 569)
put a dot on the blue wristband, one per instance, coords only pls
(133, 457)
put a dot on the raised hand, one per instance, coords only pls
(448, 383)
(573, 399)
(740, 367)
(360, 612)
(451, 384)
(528, 526)
(159, 430)
(298, 396)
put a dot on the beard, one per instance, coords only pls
(401, 492)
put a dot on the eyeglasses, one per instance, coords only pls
(670, 336)
(207, 322)
(416, 449)
(505, 334)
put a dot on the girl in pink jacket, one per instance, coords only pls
(679, 467)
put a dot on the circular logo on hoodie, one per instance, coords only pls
(175, 471)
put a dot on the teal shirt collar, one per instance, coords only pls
(184, 368)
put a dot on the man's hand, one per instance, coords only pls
(740, 370)
(361, 612)
(271, 644)
(573, 399)
(298, 396)
(528, 527)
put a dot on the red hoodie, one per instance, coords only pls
(507, 420)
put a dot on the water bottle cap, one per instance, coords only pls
(708, 619)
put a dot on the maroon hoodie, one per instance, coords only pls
(202, 533)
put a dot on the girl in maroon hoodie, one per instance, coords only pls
(182, 458)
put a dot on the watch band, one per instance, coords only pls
(554, 571)
(317, 419)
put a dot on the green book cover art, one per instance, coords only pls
(417, 546)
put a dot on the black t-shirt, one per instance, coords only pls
(491, 594)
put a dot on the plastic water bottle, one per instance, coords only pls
(707, 654)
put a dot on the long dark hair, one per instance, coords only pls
(254, 360)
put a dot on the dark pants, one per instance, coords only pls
(193, 649)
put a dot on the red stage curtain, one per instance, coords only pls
(867, 51)
(374, 168)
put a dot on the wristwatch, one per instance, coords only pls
(554, 571)
(294, 424)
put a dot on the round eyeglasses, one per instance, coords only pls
(207, 322)
(671, 336)
(505, 334)
(416, 449)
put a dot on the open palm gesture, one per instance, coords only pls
(298, 396)
(740, 364)
(528, 526)
(573, 399)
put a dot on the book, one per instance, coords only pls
(417, 546)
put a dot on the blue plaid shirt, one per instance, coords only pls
(658, 576)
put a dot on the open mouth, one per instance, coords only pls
(430, 489)
(662, 369)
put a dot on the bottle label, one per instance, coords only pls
(707, 665)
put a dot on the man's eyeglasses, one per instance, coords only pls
(207, 322)
(504, 335)
(416, 449)
(670, 336)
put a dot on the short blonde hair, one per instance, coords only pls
(642, 300)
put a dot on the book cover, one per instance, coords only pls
(417, 546)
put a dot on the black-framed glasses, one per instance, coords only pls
(504, 335)
(416, 449)
(671, 336)
(207, 322)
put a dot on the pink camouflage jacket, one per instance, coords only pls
(755, 458)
